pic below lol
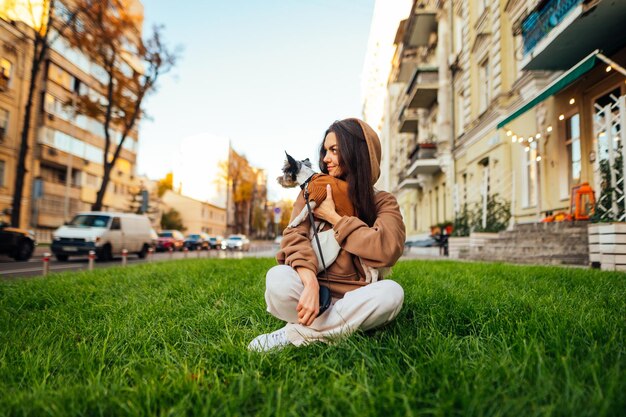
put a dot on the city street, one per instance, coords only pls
(34, 267)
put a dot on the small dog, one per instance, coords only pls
(296, 173)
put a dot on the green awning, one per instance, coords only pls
(563, 81)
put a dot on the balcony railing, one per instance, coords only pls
(422, 90)
(422, 151)
(409, 121)
(540, 22)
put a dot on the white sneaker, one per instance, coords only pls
(269, 341)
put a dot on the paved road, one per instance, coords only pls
(34, 267)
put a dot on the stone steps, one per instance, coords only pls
(538, 243)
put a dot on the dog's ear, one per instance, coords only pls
(290, 160)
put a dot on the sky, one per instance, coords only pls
(267, 75)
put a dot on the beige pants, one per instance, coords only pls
(364, 308)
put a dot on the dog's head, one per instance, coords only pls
(292, 170)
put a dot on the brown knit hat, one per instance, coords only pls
(373, 146)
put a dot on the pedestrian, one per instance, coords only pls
(375, 236)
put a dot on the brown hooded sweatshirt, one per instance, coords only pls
(378, 246)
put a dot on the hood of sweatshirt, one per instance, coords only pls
(373, 146)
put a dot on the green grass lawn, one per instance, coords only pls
(170, 339)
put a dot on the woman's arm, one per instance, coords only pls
(295, 248)
(380, 245)
(297, 252)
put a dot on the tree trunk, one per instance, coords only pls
(20, 172)
(97, 206)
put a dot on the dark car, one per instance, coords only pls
(19, 244)
(197, 241)
(215, 242)
(170, 239)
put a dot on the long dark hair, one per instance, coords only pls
(354, 163)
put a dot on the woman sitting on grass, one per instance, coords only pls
(350, 151)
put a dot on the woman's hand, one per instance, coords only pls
(326, 210)
(309, 304)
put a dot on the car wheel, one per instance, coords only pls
(142, 253)
(61, 258)
(24, 251)
(106, 254)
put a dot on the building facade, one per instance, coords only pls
(197, 216)
(65, 158)
(497, 102)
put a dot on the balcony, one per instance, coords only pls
(408, 121)
(559, 33)
(421, 28)
(405, 183)
(422, 89)
(423, 160)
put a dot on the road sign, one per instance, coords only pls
(277, 215)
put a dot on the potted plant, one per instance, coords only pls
(607, 235)
(458, 242)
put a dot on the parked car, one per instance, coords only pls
(106, 233)
(19, 244)
(426, 242)
(215, 241)
(170, 239)
(154, 238)
(236, 242)
(197, 241)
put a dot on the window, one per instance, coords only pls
(115, 224)
(6, 70)
(436, 204)
(4, 124)
(530, 176)
(459, 116)
(91, 180)
(484, 85)
(572, 144)
(53, 174)
(481, 5)
(2, 169)
(61, 77)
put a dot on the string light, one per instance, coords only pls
(609, 68)
(529, 141)
(572, 101)
(561, 117)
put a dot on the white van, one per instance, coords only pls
(106, 233)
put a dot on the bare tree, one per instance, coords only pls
(109, 36)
